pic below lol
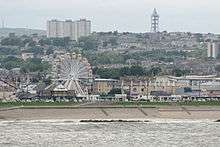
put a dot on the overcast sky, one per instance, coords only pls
(122, 15)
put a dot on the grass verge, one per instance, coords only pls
(19, 104)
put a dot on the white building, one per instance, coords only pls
(55, 28)
(83, 27)
(68, 28)
(213, 49)
(26, 56)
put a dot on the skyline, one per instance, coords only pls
(108, 15)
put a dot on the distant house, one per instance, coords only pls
(26, 56)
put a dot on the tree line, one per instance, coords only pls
(116, 73)
(138, 71)
(31, 65)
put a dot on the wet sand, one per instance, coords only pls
(168, 112)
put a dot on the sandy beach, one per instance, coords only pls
(163, 112)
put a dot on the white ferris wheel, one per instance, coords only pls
(71, 69)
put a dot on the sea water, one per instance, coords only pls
(71, 133)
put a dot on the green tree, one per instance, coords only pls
(11, 62)
(35, 65)
(177, 72)
(113, 41)
(36, 50)
(104, 58)
(137, 71)
(9, 51)
(58, 42)
(46, 41)
(15, 41)
(115, 33)
(116, 73)
(50, 51)
(155, 71)
(107, 73)
(105, 44)
(115, 91)
(125, 71)
(26, 41)
(88, 43)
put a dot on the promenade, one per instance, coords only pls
(110, 112)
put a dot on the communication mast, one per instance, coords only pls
(155, 21)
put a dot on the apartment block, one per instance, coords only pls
(68, 28)
(213, 49)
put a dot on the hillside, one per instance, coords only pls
(20, 31)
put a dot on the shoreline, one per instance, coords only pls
(100, 121)
(111, 113)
